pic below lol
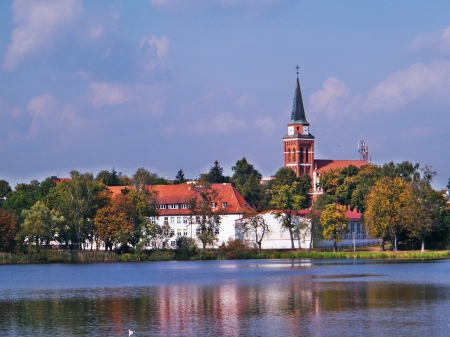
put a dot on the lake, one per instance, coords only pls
(227, 298)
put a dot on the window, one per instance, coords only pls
(172, 232)
(197, 231)
(224, 204)
(214, 204)
(216, 230)
(172, 219)
(162, 206)
(173, 243)
(178, 219)
(153, 220)
(178, 232)
(173, 206)
(185, 219)
(185, 231)
(166, 220)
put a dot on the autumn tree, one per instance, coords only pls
(39, 226)
(202, 214)
(334, 222)
(254, 226)
(5, 189)
(388, 209)
(8, 230)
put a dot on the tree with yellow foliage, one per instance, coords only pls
(334, 222)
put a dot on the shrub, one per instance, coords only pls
(236, 249)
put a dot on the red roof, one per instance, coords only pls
(179, 194)
(323, 165)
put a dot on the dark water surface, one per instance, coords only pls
(227, 298)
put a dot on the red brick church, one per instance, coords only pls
(298, 147)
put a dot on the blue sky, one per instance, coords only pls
(161, 84)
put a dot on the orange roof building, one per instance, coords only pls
(172, 207)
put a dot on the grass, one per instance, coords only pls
(52, 256)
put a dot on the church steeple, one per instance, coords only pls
(298, 111)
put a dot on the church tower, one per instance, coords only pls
(298, 144)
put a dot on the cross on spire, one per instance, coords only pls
(297, 67)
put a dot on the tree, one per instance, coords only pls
(5, 189)
(112, 225)
(334, 222)
(142, 177)
(179, 179)
(256, 227)
(40, 225)
(247, 181)
(78, 201)
(8, 230)
(323, 200)
(203, 215)
(287, 199)
(388, 208)
(426, 207)
(215, 174)
(156, 236)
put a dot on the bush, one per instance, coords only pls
(186, 248)
(236, 249)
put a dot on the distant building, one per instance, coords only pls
(298, 147)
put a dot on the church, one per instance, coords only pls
(298, 147)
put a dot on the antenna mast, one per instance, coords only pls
(363, 151)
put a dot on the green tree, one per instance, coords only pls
(142, 178)
(215, 174)
(5, 189)
(247, 181)
(426, 207)
(323, 200)
(40, 225)
(156, 236)
(179, 179)
(78, 201)
(288, 201)
(8, 230)
(334, 222)
(405, 170)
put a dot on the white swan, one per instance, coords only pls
(131, 332)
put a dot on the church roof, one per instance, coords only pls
(323, 165)
(298, 111)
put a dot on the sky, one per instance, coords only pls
(173, 84)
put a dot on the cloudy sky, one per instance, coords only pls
(170, 84)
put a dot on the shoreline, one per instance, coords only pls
(74, 257)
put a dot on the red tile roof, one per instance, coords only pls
(179, 194)
(323, 165)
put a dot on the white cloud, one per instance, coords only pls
(223, 124)
(110, 94)
(424, 83)
(333, 99)
(39, 22)
(154, 51)
(439, 41)
(266, 124)
(96, 32)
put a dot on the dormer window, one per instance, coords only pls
(161, 206)
(214, 204)
(173, 206)
(224, 204)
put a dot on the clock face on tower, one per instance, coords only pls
(290, 130)
(305, 130)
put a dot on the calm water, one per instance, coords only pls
(227, 298)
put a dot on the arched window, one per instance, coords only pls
(306, 155)
(293, 155)
(289, 155)
(301, 155)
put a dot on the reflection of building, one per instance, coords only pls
(298, 147)
(172, 206)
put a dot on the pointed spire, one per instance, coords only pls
(298, 111)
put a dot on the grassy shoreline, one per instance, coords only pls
(51, 256)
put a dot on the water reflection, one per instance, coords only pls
(317, 304)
